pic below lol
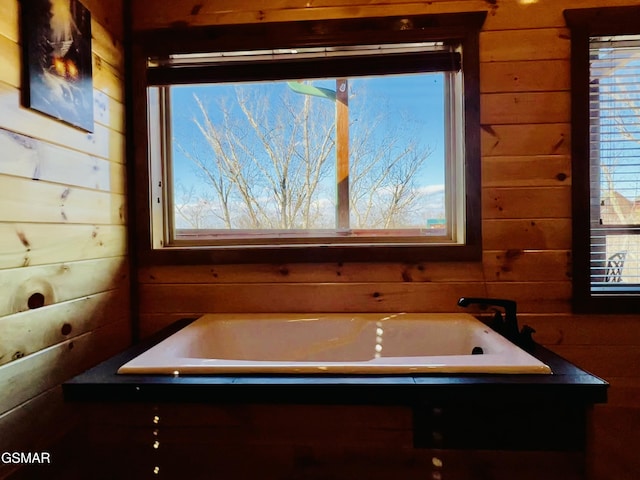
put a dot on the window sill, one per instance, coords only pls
(310, 254)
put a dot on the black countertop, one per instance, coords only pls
(567, 384)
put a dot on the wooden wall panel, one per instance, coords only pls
(527, 202)
(503, 14)
(33, 330)
(106, 46)
(526, 171)
(616, 434)
(604, 360)
(107, 79)
(108, 112)
(313, 273)
(584, 330)
(526, 139)
(302, 297)
(623, 391)
(527, 234)
(517, 265)
(167, 13)
(108, 15)
(25, 244)
(9, 25)
(543, 297)
(50, 367)
(354, 297)
(58, 283)
(524, 76)
(525, 108)
(525, 44)
(64, 269)
(54, 203)
(526, 14)
(27, 157)
(10, 56)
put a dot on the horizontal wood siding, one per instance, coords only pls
(64, 268)
(526, 188)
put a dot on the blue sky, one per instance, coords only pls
(417, 96)
(412, 105)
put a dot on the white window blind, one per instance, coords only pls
(615, 164)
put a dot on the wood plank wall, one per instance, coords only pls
(64, 271)
(526, 168)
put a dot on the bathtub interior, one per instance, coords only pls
(335, 343)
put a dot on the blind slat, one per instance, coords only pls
(614, 116)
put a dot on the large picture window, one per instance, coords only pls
(338, 144)
(606, 159)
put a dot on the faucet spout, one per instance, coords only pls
(507, 327)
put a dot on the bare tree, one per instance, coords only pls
(268, 162)
(619, 179)
(383, 175)
(192, 208)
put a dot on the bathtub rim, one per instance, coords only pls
(152, 361)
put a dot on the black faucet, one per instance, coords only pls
(506, 326)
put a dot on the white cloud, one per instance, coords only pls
(431, 189)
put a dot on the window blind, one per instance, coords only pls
(614, 118)
(306, 62)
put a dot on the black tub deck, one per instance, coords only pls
(493, 411)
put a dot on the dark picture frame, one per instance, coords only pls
(57, 71)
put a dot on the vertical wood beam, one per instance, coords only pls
(342, 153)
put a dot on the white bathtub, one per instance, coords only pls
(334, 343)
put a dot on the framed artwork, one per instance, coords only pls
(57, 76)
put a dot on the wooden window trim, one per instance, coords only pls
(585, 23)
(463, 28)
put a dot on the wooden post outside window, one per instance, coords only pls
(342, 153)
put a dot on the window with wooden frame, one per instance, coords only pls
(336, 140)
(606, 158)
